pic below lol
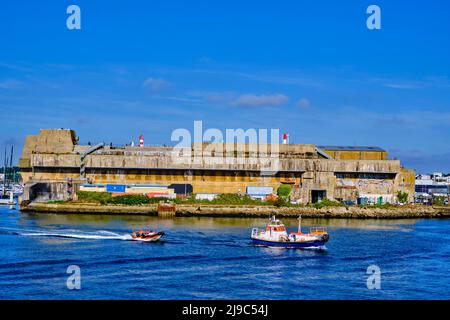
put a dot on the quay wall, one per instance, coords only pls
(247, 211)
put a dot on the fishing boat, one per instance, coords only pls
(9, 201)
(147, 235)
(275, 235)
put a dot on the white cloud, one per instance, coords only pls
(303, 103)
(405, 86)
(155, 85)
(252, 100)
(214, 96)
(10, 84)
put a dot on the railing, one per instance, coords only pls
(121, 145)
(318, 230)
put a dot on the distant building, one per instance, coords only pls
(431, 185)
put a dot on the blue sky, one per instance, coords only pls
(310, 68)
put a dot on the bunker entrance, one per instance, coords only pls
(318, 195)
(182, 189)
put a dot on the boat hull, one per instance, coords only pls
(290, 244)
(154, 238)
(7, 203)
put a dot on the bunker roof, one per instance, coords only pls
(352, 148)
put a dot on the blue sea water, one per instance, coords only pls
(212, 258)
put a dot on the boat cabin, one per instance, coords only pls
(275, 225)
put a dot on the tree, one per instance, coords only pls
(439, 200)
(284, 190)
(402, 197)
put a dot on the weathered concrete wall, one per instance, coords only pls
(209, 167)
(46, 191)
(165, 161)
(209, 175)
(405, 181)
(357, 155)
(371, 186)
(28, 149)
(55, 141)
(220, 149)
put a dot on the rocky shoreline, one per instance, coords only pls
(247, 211)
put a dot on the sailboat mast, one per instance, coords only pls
(11, 164)
(4, 173)
(300, 224)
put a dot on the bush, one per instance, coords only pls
(281, 202)
(130, 200)
(284, 190)
(107, 198)
(235, 199)
(226, 198)
(402, 197)
(95, 197)
(439, 201)
(327, 203)
(221, 199)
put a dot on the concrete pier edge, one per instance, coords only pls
(245, 211)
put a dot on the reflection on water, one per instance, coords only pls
(208, 222)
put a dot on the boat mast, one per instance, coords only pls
(300, 224)
(4, 173)
(11, 166)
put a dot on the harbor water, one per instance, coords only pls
(213, 258)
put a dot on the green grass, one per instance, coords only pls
(94, 197)
(107, 198)
(327, 203)
(222, 199)
(376, 205)
(226, 199)
(57, 202)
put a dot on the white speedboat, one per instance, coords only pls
(147, 235)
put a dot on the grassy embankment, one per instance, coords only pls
(106, 198)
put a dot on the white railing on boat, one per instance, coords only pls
(318, 230)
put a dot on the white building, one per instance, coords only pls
(429, 186)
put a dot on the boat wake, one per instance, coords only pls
(314, 248)
(94, 235)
